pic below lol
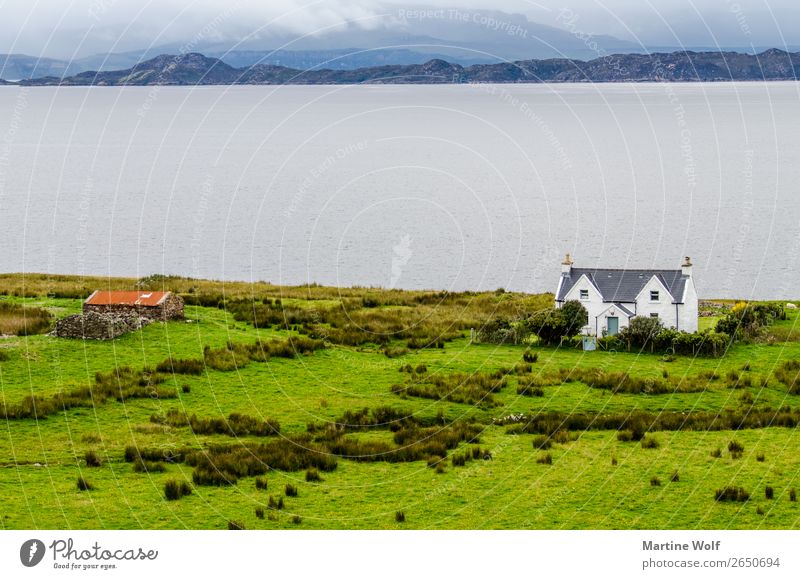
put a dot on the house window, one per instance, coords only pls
(653, 315)
(585, 294)
(654, 295)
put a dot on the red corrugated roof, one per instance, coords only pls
(106, 298)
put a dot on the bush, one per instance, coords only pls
(84, 485)
(793, 495)
(174, 490)
(655, 482)
(676, 477)
(614, 461)
(291, 490)
(236, 526)
(650, 442)
(312, 475)
(186, 388)
(760, 457)
(148, 466)
(259, 513)
(732, 494)
(20, 320)
(542, 442)
(297, 519)
(716, 453)
(274, 505)
(92, 459)
(400, 517)
(735, 448)
(641, 330)
(192, 366)
(545, 459)
(261, 483)
(769, 492)
(624, 435)
(530, 357)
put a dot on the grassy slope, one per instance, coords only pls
(581, 489)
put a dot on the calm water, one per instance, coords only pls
(459, 187)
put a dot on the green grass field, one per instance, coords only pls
(594, 482)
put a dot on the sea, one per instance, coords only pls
(453, 187)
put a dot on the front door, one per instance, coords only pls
(613, 326)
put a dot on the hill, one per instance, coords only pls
(197, 69)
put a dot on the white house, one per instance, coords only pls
(613, 296)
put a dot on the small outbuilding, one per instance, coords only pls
(146, 304)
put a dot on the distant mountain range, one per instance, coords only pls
(197, 69)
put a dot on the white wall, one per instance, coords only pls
(687, 320)
(664, 307)
(594, 304)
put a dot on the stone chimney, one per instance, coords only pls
(686, 267)
(566, 265)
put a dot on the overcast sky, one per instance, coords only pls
(70, 28)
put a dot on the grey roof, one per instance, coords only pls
(625, 310)
(623, 285)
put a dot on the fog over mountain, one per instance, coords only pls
(53, 38)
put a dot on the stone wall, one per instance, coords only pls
(170, 309)
(99, 326)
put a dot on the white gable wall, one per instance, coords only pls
(594, 304)
(688, 310)
(664, 307)
(600, 323)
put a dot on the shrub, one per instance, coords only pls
(613, 461)
(732, 494)
(20, 320)
(624, 435)
(675, 477)
(793, 495)
(759, 510)
(148, 466)
(760, 457)
(297, 519)
(769, 492)
(261, 483)
(655, 482)
(174, 490)
(542, 442)
(92, 459)
(259, 512)
(788, 374)
(735, 448)
(312, 475)
(545, 459)
(84, 485)
(186, 388)
(650, 442)
(291, 490)
(421, 369)
(193, 366)
(400, 517)
(716, 453)
(530, 357)
(236, 526)
(275, 505)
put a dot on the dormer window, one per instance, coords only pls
(585, 294)
(654, 295)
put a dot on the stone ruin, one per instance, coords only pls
(99, 326)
